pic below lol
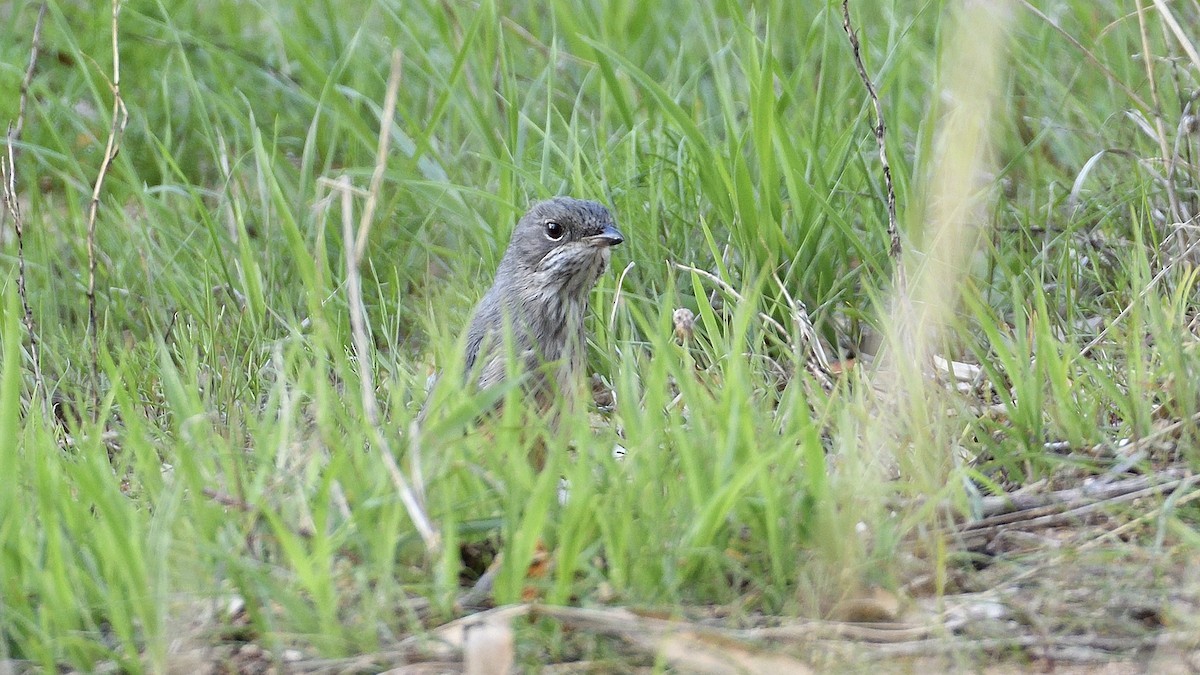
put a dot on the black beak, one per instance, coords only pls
(611, 236)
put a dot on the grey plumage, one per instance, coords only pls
(539, 298)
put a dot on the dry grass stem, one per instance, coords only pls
(14, 132)
(815, 361)
(116, 131)
(1181, 36)
(1160, 130)
(895, 251)
(1183, 255)
(815, 358)
(1112, 77)
(355, 247)
(612, 317)
(8, 187)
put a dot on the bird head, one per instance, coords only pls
(562, 245)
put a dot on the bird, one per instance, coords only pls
(536, 307)
(535, 312)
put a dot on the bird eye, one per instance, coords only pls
(555, 231)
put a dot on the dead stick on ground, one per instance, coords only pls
(355, 246)
(895, 251)
(974, 536)
(120, 117)
(8, 178)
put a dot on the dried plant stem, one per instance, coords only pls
(815, 360)
(355, 246)
(1087, 349)
(8, 176)
(895, 250)
(8, 180)
(120, 117)
(1160, 129)
(14, 132)
(1185, 42)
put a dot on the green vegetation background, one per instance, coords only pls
(223, 451)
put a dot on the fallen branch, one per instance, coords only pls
(993, 507)
(1060, 646)
(1070, 511)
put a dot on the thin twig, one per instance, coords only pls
(962, 645)
(355, 246)
(1051, 516)
(895, 250)
(120, 117)
(993, 508)
(14, 133)
(1186, 495)
(8, 178)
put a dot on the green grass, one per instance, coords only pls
(225, 449)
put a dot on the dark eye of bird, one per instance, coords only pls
(555, 231)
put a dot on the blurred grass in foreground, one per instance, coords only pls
(225, 458)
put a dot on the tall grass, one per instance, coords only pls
(228, 455)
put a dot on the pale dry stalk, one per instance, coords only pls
(895, 250)
(8, 187)
(355, 246)
(116, 131)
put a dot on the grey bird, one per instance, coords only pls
(558, 251)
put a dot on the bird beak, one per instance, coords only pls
(611, 236)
